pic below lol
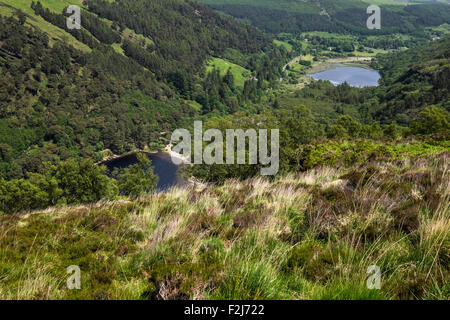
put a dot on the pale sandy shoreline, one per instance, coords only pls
(175, 155)
(167, 151)
(338, 62)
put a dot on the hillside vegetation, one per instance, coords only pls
(9, 7)
(119, 82)
(301, 236)
(342, 16)
(363, 174)
(413, 79)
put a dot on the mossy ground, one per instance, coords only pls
(305, 236)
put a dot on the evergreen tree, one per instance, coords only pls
(138, 179)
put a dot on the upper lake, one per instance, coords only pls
(354, 76)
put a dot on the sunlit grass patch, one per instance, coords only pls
(310, 235)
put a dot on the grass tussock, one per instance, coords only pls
(306, 236)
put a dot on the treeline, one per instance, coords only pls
(277, 21)
(305, 144)
(69, 182)
(73, 182)
(351, 43)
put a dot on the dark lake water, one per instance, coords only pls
(354, 76)
(162, 166)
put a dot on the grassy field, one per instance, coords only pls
(298, 67)
(369, 54)
(54, 5)
(194, 104)
(306, 236)
(240, 74)
(287, 45)
(387, 2)
(118, 48)
(329, 35)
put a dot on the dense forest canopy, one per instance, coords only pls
(197, 34)
(413, 79)
(341, 16)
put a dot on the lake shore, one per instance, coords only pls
(177, 156)
(167, 151)
(331, 63)
(113, 157)
(354, 76)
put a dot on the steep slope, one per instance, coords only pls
(414, 79)
(57, 102)
(177, 34)
(8, 7)
(306, 236)
(163, 36)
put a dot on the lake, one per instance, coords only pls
(162, 167)
(354, 76)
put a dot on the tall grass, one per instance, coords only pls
(310, 235)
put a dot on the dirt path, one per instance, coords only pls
(290, 63)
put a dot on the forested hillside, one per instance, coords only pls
(142, 75)
(413, 79)
(343, 16)
(57, 102)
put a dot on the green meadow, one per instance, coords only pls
(240, 74)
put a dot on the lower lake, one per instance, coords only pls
(162, 165)
(354, 76)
